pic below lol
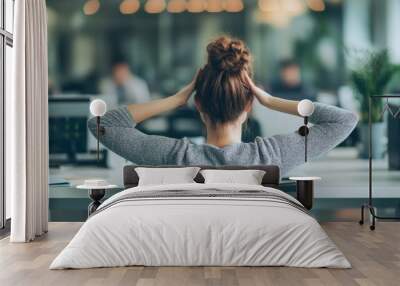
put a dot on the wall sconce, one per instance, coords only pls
(305, 108)
(98, 108)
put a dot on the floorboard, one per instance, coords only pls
(375, 257)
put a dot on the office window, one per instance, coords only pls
(6, 44)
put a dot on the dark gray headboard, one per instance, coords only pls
(271, 178)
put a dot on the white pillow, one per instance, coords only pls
(248, 177)
(166, 176)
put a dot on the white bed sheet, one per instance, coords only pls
(200, 231)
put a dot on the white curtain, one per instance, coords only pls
(27, 124)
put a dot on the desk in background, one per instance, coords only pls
(68, 133)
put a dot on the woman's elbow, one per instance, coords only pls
(352, 119)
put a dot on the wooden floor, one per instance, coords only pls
(375, 257)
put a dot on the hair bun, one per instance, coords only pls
(229, 55)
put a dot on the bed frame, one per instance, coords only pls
(270, 179)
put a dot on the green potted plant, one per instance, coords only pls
(372, 77)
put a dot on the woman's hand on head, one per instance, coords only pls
(274, 103)
(262, 96)
(185, 93)
(250, 83)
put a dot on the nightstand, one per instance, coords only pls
(67, 203)
(96, 194)
(305, 190)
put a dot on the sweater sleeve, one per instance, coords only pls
(331, 125)
(123, 138)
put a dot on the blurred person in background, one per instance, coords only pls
(290, 84)
(126, 86)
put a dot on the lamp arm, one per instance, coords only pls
(98, 135)
(100, 131)
(306, 146)
(304, 131)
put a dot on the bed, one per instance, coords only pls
(198, 224)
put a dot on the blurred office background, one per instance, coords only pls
(127, 51)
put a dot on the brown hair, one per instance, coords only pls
(221, 89)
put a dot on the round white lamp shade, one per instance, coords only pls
(305, 108)
(98, 107)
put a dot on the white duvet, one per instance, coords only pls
(192, 231)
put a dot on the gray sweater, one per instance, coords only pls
(331, 125)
